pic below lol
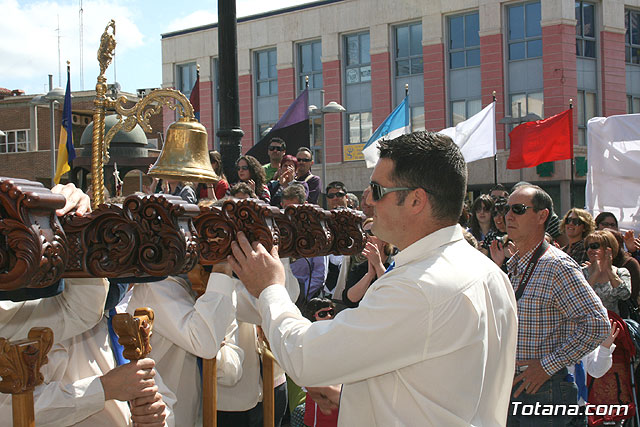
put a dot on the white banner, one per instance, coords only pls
(476, 136)
(613, 159)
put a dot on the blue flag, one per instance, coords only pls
(396, 124)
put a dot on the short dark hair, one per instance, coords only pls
(294, 191)
(305, 150)
(498, 187)
(242, 187)
(337, 185)
(314, 305)
(433, 162)
(540, 200)
(279, 141)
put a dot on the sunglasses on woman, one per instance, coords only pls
(324, 313)
(574, 221)
(242, 168)
(593, 245)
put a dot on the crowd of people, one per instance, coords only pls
(454, 314)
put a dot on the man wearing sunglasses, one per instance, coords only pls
(303, 173)
(337, 195)
(433, 341)
(277, 149)
(560, 317)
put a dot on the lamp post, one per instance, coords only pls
(331, 107)
(54, 95)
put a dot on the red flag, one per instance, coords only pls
(542, 141)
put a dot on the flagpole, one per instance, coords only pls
(571, 198)
(495, 155)
(406, 89)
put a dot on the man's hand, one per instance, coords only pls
(76, 199)
(533, 377)
(255, 267)
(148, 411)
(130, 381)
(327, 398)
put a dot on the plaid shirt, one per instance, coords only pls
(560, 318)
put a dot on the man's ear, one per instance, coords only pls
(418, 199)
(543, 214)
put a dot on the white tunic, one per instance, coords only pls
(432, 343)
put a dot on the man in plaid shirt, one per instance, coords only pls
(560, 317)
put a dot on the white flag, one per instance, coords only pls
(476, 136)
(613, 160)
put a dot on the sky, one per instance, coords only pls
(30, 39)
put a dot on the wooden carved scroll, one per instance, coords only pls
(33, 250)
(20, 363)
(147, 236)
(217, 227)
(346, 226)
(134, 332)
(311, 235)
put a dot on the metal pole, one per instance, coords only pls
(229, 132)
(495, 156)
(520, 121)
(53, 134)
(324, 152)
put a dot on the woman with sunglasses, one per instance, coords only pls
(612, 284)
(482, 219)
(251, 172)
(285, 176)
(367, 267)
(577, 224)
(606, 220)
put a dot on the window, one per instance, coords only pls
(525, 103)
(310, 64)
(266, 90)
(187, 74)
(267, 75)
(409, 49)
(358, 87)
(524, 31)
(587, 105)
(14, 141)
(464, 41)
(417, 118)
(633, 104)
(632, 36)
(585, 30)
(358, 67)
(462, 110)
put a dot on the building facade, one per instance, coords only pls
(535, 55)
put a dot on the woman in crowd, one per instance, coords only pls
(218, 190)
(606, 220)
(481, 224)
(622, 259)
(285, 176)
(251, 172)
(612, 284)
(365, 268)
(577, 224)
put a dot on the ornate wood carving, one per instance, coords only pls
(33, 249)
(20, 361)
(312, 236)
(346, 226)
(134, 332)
(147, 236)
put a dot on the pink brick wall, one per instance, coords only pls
(492, 79)
(245, 95)
(286, 89)
(380, 88)
(434, 90)
(206, 111)
(614, 89)
(559, 70)
(332, 82)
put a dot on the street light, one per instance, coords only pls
(54, 95)
(331, 107)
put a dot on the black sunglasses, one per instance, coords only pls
(574, 221)
(517, 208)
(594, 246)
(378, 191)
(276, 148)
(336, 194)
(324, 313)
(369, 232)
(304, 160)
(242, 168)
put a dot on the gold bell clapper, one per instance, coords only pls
(185, 154)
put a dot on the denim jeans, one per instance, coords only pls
(556, 391)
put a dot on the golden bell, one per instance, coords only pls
(185, 154)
